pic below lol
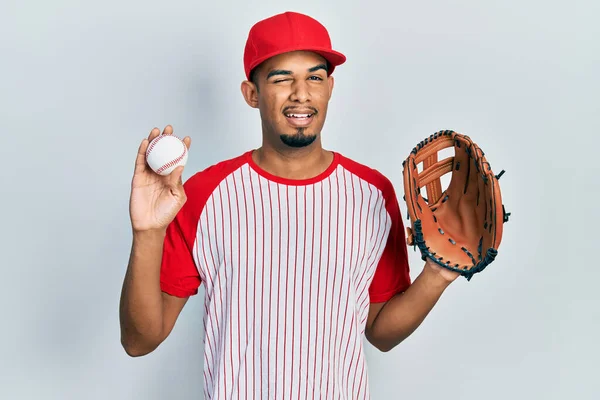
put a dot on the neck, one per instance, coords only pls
(293, 163)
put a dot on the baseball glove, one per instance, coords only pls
(459, 228)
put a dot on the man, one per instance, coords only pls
(301, 250)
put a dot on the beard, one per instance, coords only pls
(299, 139)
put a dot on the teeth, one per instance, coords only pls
(299, 115)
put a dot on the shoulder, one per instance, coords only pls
(209, 178)
(368, 174)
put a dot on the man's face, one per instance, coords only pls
(292, 96)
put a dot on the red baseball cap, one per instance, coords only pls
(289, 31)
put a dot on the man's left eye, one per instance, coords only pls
(316, 77)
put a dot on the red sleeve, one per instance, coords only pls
(179, 274)
(392, 275)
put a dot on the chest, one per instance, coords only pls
(339, 215)
(259, 231)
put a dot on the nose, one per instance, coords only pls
(300, 92)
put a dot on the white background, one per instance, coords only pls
(81, 83)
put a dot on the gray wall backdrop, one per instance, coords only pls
(82, 82)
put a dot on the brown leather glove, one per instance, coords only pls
(459, 228)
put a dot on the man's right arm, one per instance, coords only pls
(147, 315)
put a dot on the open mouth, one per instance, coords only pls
(299, 119)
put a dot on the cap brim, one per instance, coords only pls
(334, 58)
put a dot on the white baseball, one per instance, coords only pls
(165, 153)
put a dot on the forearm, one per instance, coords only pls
(141, 307)
(403, 314)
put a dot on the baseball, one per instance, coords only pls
(165, 153)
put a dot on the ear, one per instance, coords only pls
(250, 93)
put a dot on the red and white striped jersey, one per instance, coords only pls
(290, 268)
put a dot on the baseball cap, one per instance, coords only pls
(289, 31)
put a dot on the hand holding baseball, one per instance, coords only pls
(155, 197)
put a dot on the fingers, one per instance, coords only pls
(175, 177)
(188, 141)
(140, 160)
(168, 130)
(153, 133)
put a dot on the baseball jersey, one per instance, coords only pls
(289, 268)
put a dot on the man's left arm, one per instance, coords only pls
(391, 322)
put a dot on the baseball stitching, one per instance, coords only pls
(153, 144)
(170, 163)
(173, 162)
